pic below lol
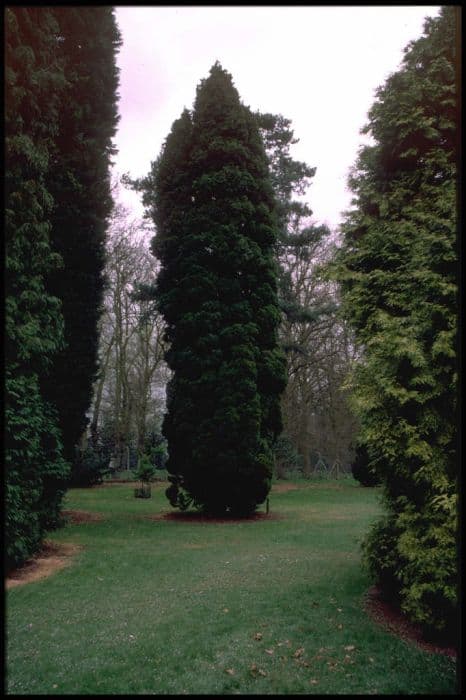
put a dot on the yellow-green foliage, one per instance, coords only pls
(398, 271)
(412, 555)
(427, 546)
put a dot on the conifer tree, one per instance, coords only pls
(35, 473)
(399, 277)
(212, 203)
(296, 234)
(79, 182)
(60, 116)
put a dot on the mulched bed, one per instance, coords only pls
(283, 488)
(390, 616)
(52, 557)
(194, 517)
(75, 517)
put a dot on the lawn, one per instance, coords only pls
(156, 606)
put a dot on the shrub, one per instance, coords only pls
(90, 466)
(159, 456)
(145, 473)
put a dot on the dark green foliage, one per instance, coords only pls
(145, 471)
(399, 276)
(362, 469)
(79, 181)
(90, 464)
(156, 447)
(296, 238)
(36, 473)
(287, 176)
(34, 325)
(35, 470)
(210, 198)
(59, 118)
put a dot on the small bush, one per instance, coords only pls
(89, 467)
(155, 446)
(145, 473)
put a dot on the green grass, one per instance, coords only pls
(164, 607)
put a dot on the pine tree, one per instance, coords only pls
(35, 470)
(211, 201)
(297, 236)
(399, 277)
(79, 182)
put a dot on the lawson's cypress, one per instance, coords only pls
(79, 182)
(399, 280)
(212, 203)
(35, 472)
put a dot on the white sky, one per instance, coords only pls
(318, 66)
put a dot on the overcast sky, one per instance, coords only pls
(318, 66)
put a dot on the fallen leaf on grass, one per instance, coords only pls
(258, 636)
(299, 652)
(230, 671)
(313, 681)
(257, 671)
(340, 627)
(350, 647)
(269, 651)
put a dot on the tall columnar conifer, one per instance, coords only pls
(35, 472)
(212, 203)
(79, 182)
(399, 278)
(60, 117)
